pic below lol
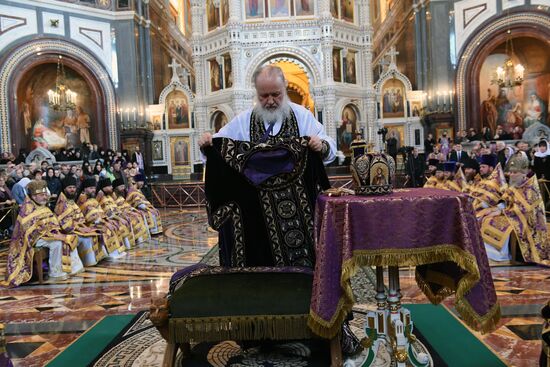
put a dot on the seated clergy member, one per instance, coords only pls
(137, 200)
(106, 199)
(38, 227)
(138, 221)
(487, 192)
(437, 181)
(454, 181)
(72, 221)
(95, 217)
(522, 217)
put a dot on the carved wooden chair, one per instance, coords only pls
(40, 254)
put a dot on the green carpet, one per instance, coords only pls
(456, 345)
(86, 348)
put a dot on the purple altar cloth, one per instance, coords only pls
(434, 230)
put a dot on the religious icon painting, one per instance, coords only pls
(379, 174)
(279, 8)
(218, 120)
(157, 122)
(188, 18)
(224, 7)
(347, 10)
(179, 147)
(336, 65)
(213, 15)
(398, 132)
(158, 151)
(303, 7)
(177, 110)
(393, 99)
(334, 8)
(347, 129)
(350, 71)
(227, 72)
(215, 76)
(254, 9)
(416, 107)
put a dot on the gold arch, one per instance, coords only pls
(297, 81)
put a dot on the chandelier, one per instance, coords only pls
(62, 98)
(509, 74)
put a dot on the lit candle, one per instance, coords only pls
(430, 101)
(120, 114)
(438, 94)
(134, 111)
(128, 114)
(450, 99)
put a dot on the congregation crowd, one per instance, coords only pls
(80, 213)
(508, 186)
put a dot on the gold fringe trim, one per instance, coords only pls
(411, 257)
(257, 327)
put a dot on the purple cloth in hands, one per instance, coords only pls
(268, 163)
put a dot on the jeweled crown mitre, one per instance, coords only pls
(373, 172)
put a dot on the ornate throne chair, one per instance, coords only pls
(213, 304)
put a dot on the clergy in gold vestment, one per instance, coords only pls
(522, 217)
(454, 181)
(137, 200)
(37, 227)
(437, 181)
(112, 211)
(487, 192)
(138, 221)
(72, 222)
(95, 217)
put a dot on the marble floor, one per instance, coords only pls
(43, 319)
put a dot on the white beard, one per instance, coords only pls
(282, 112)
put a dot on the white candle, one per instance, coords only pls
(128, 114)
(134, 111)
(438, 94)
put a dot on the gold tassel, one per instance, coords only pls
(257, 327)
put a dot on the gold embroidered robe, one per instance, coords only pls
(72, 221)
(96, 218)
(135, 198)
(34, 222)
(114, 215)
(139, 225)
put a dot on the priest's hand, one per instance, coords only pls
(205, 140)
(315, 143)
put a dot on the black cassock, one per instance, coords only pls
(261, 200)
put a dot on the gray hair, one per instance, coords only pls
(271, 71)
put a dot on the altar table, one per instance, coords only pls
(434, 230)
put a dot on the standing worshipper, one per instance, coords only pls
(429, 144)
(137, 157)
(38, 227)
(136, 199)
(72, 222)
(415, 169)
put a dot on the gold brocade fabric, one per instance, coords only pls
(72, 222)
(139, 225)
(115, 217)
(96, 218)
(135, 198)
(34, 222)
